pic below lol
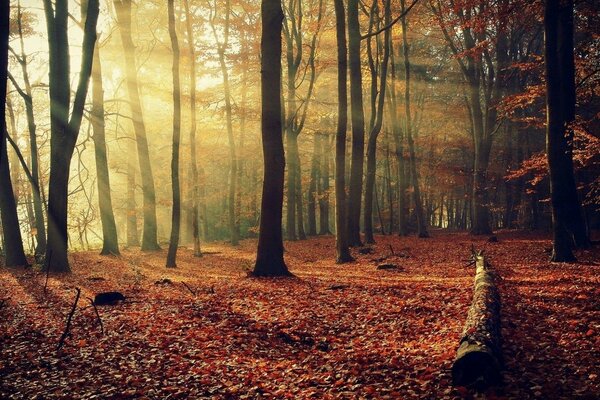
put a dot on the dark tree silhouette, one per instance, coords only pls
(193, 161)
(110, 242)
(13, 243)
(358, 125)
(568, 223)
(414, 172)
(269, 257)
(377, 119)
(64, 130)
(341, 237)
(176, 213)
(33, 171)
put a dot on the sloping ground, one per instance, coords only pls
(335, 331)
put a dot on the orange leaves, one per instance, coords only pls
(383, 335)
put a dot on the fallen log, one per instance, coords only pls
(478, 358)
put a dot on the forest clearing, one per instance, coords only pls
(333, 331)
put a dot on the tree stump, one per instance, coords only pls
(478, 358)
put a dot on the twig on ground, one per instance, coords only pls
(68, 326)
(97, 315)
(188, 288)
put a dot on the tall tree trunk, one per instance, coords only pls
(193, 160)
(40, 226)
(375, 130)
(399, 150)
(110, 242)
(11, 232)
(341, 217)
(560, 99)
(64, 130)
(312, 187)
(132, 231)
(233, 163)
(269, 257)
(149, 235)
(292, 152)
(324, 197)
(358, 125)
(176, 213)
(421, 221)
(299, 201)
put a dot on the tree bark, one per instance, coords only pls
(324, 196)
(149, 235)
(34, 168)
(176, 212)
(132, 231)
(233, 163)
(299, 201)
(110, 243)
(193, 158)
(64, 130)
(421, 221)
(341, 217)
(269, 257)
(13, 243)
(477, 362)
(560, 100)
(358, 125)
(312, 187)
(375, 130)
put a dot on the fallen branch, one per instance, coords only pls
(478, 358)
(68, 326)
(97, 315)
(188, 288)
(337, 287)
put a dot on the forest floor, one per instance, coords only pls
(335, 331)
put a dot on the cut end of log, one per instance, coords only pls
(475, 367)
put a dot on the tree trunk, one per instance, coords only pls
(149, 235)
(421, 222)
(324, 197)
(110, 243)
(132, 232)
(176, 213)
(292, 152)
(374, 133)
(341, 218)
(299, 202)
(558, 20)
(269, 257)
(64, 130)
(40, 226)
(399, 150)
(233, 163)
(358, 125)
(193, 160)
(13, 243)
(312, 187)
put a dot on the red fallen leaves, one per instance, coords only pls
(384, 335)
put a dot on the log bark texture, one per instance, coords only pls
(478, 359)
